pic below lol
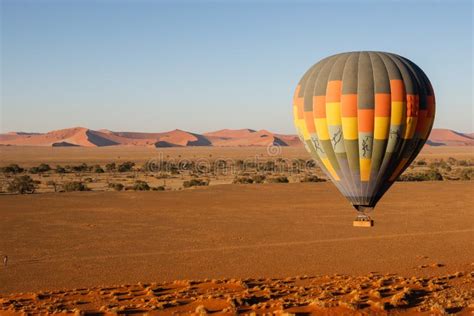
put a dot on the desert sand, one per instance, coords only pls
(280, 243)
(33, 155)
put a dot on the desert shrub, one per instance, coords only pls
(311, 178)
(60, 169)
(258, 178)
(110, 167)
(195, 182)
(421, 163)
(277, 179)
(44, 167)
(74, 186)
(452, 160)
(466, 174)
(159, 188)
(242, 180)
(125, 166)
(33, 170)
(464, 163)
(88, 180)
(434, 175)
(22, 184)
(431, 175)
(98, 169)
(439, 164)
(116, 186)
(81, 168)
(12, 168)
(141, 186)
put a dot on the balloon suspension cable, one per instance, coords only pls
(363, 219)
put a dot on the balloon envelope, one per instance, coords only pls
(364, 117)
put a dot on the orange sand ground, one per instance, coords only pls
(101, 244)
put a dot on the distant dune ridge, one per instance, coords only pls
(81, 136)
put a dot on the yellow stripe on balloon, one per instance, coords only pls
(330, 168)
(381, 127)
(321, 128)
(398, 112)
(350, 128)
(333, 113)
(300, 124)
(365, 164)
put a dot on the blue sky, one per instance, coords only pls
(202, 66)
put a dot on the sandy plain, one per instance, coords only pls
(265, 248)
(86, 239)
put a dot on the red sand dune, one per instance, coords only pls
(80, 136)
(449, 137)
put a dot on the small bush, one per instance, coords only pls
(40, 169)
(464, 163)
(278, 179)
(12, 168)
(421, 163)
(98, 169)
(126, 166)
(466, 174)
(141, 186)
(431, 175)
(452, 160)
(22, 184)
(311, 178)
(60, 169)
(81, 168)
(116, 186)
(74, 186)
(242, 180)
(159, 188)
(195, 182)
(258, 178)
(110, 167)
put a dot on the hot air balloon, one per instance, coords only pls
(364, 117)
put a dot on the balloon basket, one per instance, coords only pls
(363, 220)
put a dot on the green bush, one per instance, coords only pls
(258, 178)
(464, 163)
(116, 186)
(242, 180)
(12, 168)
(40, 169)
(110, 167)
(98, 169)
(141, 186)
(431, 175)
(81, 168)
(74, 186)
(60, 169)
(126, 166)
(195, 182)
(311, 178)
(22, 184)
(466, 174)
(278, 179)
(421, 163)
